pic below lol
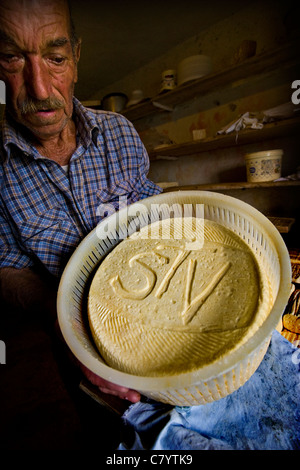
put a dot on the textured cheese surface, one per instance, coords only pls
(175, 296)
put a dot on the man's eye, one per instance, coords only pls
(57, 60)
(9, 58)
(10, 62)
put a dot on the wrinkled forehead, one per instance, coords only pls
(19, 17)
(32, 8)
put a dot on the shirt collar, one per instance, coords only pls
(86, 127)
(86, 123)
(12, 135)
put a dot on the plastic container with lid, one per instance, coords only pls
(264, 166)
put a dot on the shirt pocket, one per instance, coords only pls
(116, 197)
(50, 236)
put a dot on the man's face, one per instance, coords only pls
(37, 64)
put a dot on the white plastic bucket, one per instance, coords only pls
(264, 166)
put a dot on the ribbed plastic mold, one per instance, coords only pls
(210, 382)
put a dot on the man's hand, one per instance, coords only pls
(24, 288)
(110, 388)
(103, 385)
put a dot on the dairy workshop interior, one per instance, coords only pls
(126, 46)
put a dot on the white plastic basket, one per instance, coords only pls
(210, 382)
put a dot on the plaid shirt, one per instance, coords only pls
(45, 212)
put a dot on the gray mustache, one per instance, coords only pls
(30, 105)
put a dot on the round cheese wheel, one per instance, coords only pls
(174, 296)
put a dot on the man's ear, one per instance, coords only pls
(78, 50)
(76, 58)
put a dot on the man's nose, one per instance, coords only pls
(37, 79)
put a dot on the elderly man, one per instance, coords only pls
(59, 164)
(59, 161)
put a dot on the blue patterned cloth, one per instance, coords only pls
(46, 211)
(261, 415)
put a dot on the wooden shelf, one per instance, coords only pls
(269, 131)
(283, 224)
(281, 61)
(235, 185)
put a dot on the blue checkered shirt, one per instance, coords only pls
(45, 211)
